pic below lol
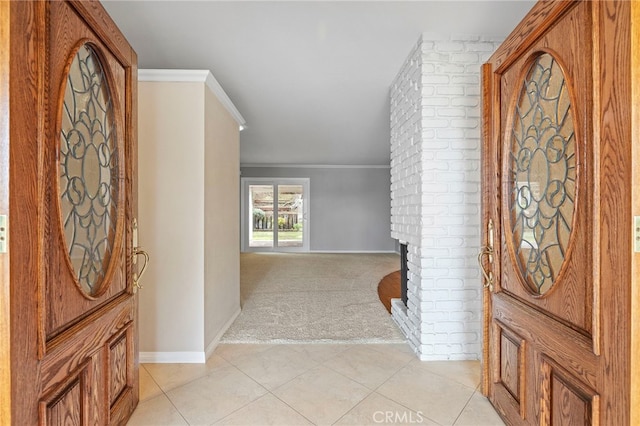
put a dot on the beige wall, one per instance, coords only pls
(188, 170)
(222, 213)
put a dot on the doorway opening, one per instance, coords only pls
(275, 214)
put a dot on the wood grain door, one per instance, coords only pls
(72, 204)
(556, 217)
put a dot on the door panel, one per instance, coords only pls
(565, 398)
(570, 299)
(65, 304)
(73, 144)
(512, 367)
(551, 291)
(67, 402)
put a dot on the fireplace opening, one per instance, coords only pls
(404, 269)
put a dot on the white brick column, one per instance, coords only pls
(435, 192)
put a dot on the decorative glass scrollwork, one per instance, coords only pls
(88, 183)
(542, 174)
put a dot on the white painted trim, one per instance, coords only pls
(172, 357)
(187, 357)
(185, 76)
(318, 166)
(216, 340)
(200, 76)
(224, 99)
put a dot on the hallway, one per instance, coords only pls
(291, 378)
(322, 384)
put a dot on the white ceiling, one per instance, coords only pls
(311, 78)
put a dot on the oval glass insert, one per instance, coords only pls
(542, 174)
(88, 184)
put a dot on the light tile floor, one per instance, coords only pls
(318, 384)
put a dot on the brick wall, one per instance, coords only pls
(435, 192)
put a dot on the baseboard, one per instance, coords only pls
(216, 340)
(172, 357)
(187, 357)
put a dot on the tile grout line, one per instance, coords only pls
(166, 396)
(449, 378)
(287, 404)
(248, 403)
(153, 379)
(398, 402)
(370, 391)
(354, 380)
(463, 408)
(271, 391)
(202, 377)
(322, 364)
(195, 378)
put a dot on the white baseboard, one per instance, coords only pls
(216, 340)
(172, 357)
(187, 357)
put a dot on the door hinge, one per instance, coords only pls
(3, 233)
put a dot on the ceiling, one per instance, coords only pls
(311, 78)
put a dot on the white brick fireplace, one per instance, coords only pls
(435, 193)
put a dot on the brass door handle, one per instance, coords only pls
(489, 252)
(488, 276)
(137, 275)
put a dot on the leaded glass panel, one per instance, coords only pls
(542, 174)
(88, 167)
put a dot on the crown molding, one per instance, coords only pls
(196, 76)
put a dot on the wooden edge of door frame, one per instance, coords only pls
(486, 214)
(634, 415)
(5, 323)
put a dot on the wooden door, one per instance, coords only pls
(556, 214)
(72, 203)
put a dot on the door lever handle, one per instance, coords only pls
(489, 252)
(488, 276)
(138, 251)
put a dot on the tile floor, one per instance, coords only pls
(319, 384)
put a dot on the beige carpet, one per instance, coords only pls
(313, 298)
